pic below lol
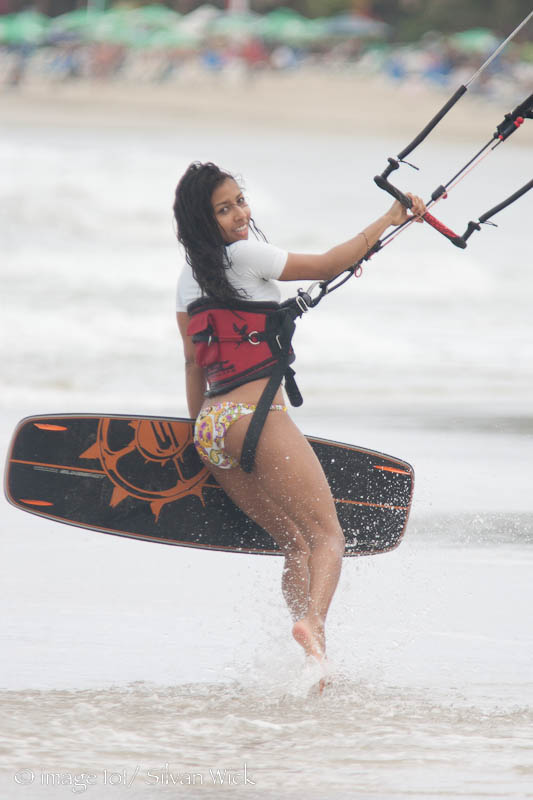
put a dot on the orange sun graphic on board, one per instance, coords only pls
(152, 460)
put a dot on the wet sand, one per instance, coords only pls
(310, 101)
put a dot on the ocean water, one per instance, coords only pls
(133, 668)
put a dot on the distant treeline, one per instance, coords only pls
(412, 18)
(409, 19)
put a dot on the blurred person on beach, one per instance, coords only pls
(286, 492)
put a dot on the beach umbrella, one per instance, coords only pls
(289, 27)
(198, 21)
(150, 26)
(144, 27)
(355, 26)
(115, 26)
(90, 25)
(173, 37)
(155, 17)
(475, 40)
(234, 24)
(26, 27)
(4, 26)
(74, 24)
(526, 51)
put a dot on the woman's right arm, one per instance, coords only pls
(322, 266)
(195, 383)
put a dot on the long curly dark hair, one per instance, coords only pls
(198, 230)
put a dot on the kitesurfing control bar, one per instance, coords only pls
(383, 183)
(509, 125)
(338, 280)
(511, 122)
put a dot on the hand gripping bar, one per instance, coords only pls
(383, 183)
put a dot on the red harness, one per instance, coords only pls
(240, 342)
(235, 343)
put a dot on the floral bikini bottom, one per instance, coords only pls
(211, 427)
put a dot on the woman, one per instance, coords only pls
(286, 493)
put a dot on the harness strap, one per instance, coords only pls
(281, 370)
(291, 387)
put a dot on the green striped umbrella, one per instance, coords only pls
(154, 17)
(475, 40)
(26, 27)
(233, 24)
(287, 26)
(75, 24)
(172, 37)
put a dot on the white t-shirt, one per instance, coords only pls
(254, 267)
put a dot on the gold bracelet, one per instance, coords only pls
(366, 240)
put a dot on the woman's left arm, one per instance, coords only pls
(326, 265)
(195, 383)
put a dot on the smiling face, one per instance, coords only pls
(231, 211)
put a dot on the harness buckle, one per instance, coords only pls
(256, 340)
(303, 299)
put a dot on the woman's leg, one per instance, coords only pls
(288, 495)
(268, 514)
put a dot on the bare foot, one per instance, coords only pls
(318, 688)
(309, 638)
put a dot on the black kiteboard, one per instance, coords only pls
(142, 478)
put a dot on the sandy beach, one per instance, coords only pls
(308, 100)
